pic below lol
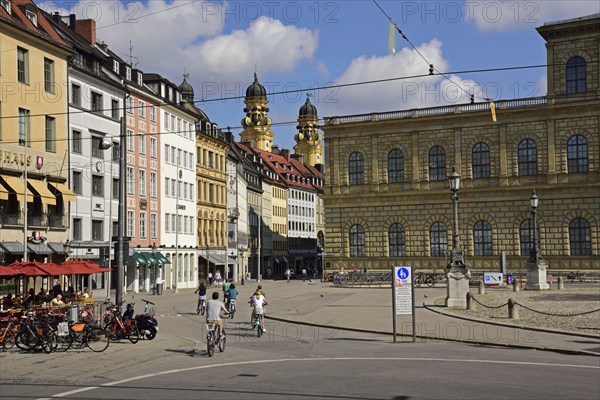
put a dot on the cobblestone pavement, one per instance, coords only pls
(571, 309)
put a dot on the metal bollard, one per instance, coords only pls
(561, 283)
(515, 285)
(513, 311)
(481, 287)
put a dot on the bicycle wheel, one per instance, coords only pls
(134, 334)
(96, 339)
(259, 327)
(418, 280)
(231, 310)
(49, 342)
(430, 281)
(9, 340)
(64, 342)
(210, 345)
(222, 340)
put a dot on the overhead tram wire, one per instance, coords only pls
(431, 66)
(309, 89)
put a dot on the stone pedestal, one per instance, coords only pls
(536, 275)
(458, 287)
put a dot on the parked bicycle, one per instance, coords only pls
(429, 279)
(118, 328)
(214, 338)
(81, 334)
(9, 332)
(576, 276)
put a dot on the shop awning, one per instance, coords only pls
(58, 248)
(161, 258)
(67, 195)
(12, 247)
(139, 259)
(42, 190)
(155, 258)
(3, 193)
(39, 248)
(18, 187)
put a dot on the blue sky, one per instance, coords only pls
(303, 44)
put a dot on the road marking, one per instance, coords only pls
(173, 371)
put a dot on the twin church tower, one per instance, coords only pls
(257, 126)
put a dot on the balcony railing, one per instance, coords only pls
(37, 220)
(11, 218)
(57, 221)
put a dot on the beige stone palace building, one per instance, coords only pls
(387, 197)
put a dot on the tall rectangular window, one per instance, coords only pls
(76, 229)
(153, 185)
(142, 109)
(115, 188)
(97, 102)
(50, 134)
(76, 182)
(130, 140)
(98, 185)
(96, 152)
(130, 224)
(167, 186)
(153, 148)
(130, 180)
(76, 142)
(142, 225)
(76, 95)
(153, 226)
(98, 230)
(24, 125)
(167, 154)
(22, 65)
(114, 109)
(153, 113)
(166, 121)
(142, 139)
(49, 82)
(129, 105)
(142, 182)
(167, 223)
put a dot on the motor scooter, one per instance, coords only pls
(146, 323)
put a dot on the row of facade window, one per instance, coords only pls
(179, 224)
(178, 126)
(580, 242)
(25, 130)
(527, 161)
(142, 137)
(141, 107)
(98, 184)
(210, 159)
(23, 73)
(178, 189)
(211, 193)
(301, 226)
(179, 157)
(96, 102)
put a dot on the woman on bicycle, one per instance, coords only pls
(201, 296)
(258, 304)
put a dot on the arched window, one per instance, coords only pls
(580, 237)
(356, 169)
(526, 236)
(395, 166)
(482, 238)
(437, 164)
(357, 241)
(480, 155)
(577, 154)
(576, 75)
(396, 241)
(438, 239)
(527, 155)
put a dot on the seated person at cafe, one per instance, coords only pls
(42, 296)
(30, 300)
(57, 302)
(7, 302)
(70, 293)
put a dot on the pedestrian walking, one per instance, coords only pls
(303, 274)
(210, 279)
(287, 274)
(218, 277)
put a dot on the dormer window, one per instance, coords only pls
(116, 66)
(6, 5)
(128, 73)
(32, 16)
(139, 78)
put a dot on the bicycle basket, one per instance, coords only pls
(210, 327)
(62, 329)
(152, 311)
(78, 327)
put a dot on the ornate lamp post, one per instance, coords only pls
(536, 266)
(457, 271)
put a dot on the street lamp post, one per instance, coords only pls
(105, 144)
(536, 266)
(153, 279)
(457, 271)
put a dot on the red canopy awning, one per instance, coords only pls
(6, 272)
(75, 268)
(28, 268)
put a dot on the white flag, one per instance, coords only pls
(391, 37)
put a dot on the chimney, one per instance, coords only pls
(56, 17)
(72, 20)
(87, 29)
(285, 153)
(275, 149)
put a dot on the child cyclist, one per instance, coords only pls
(213, 312)
(258, 304)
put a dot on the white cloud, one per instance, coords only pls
(170, 36)
(501, 15)
(402, 94)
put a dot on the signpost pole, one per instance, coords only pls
(394, 303)
(412, 290)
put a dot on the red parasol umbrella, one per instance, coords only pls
(6, 272)
(28, 268)
(75, 268)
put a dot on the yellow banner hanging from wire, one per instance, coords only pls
(493, 110)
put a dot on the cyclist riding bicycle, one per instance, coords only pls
(258, 303)
(232, 292)
(258, 289)
(226, 285)
(213, 312)
(201, 296)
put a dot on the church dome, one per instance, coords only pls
(256, 89)
(186, 89)
(308, 110)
